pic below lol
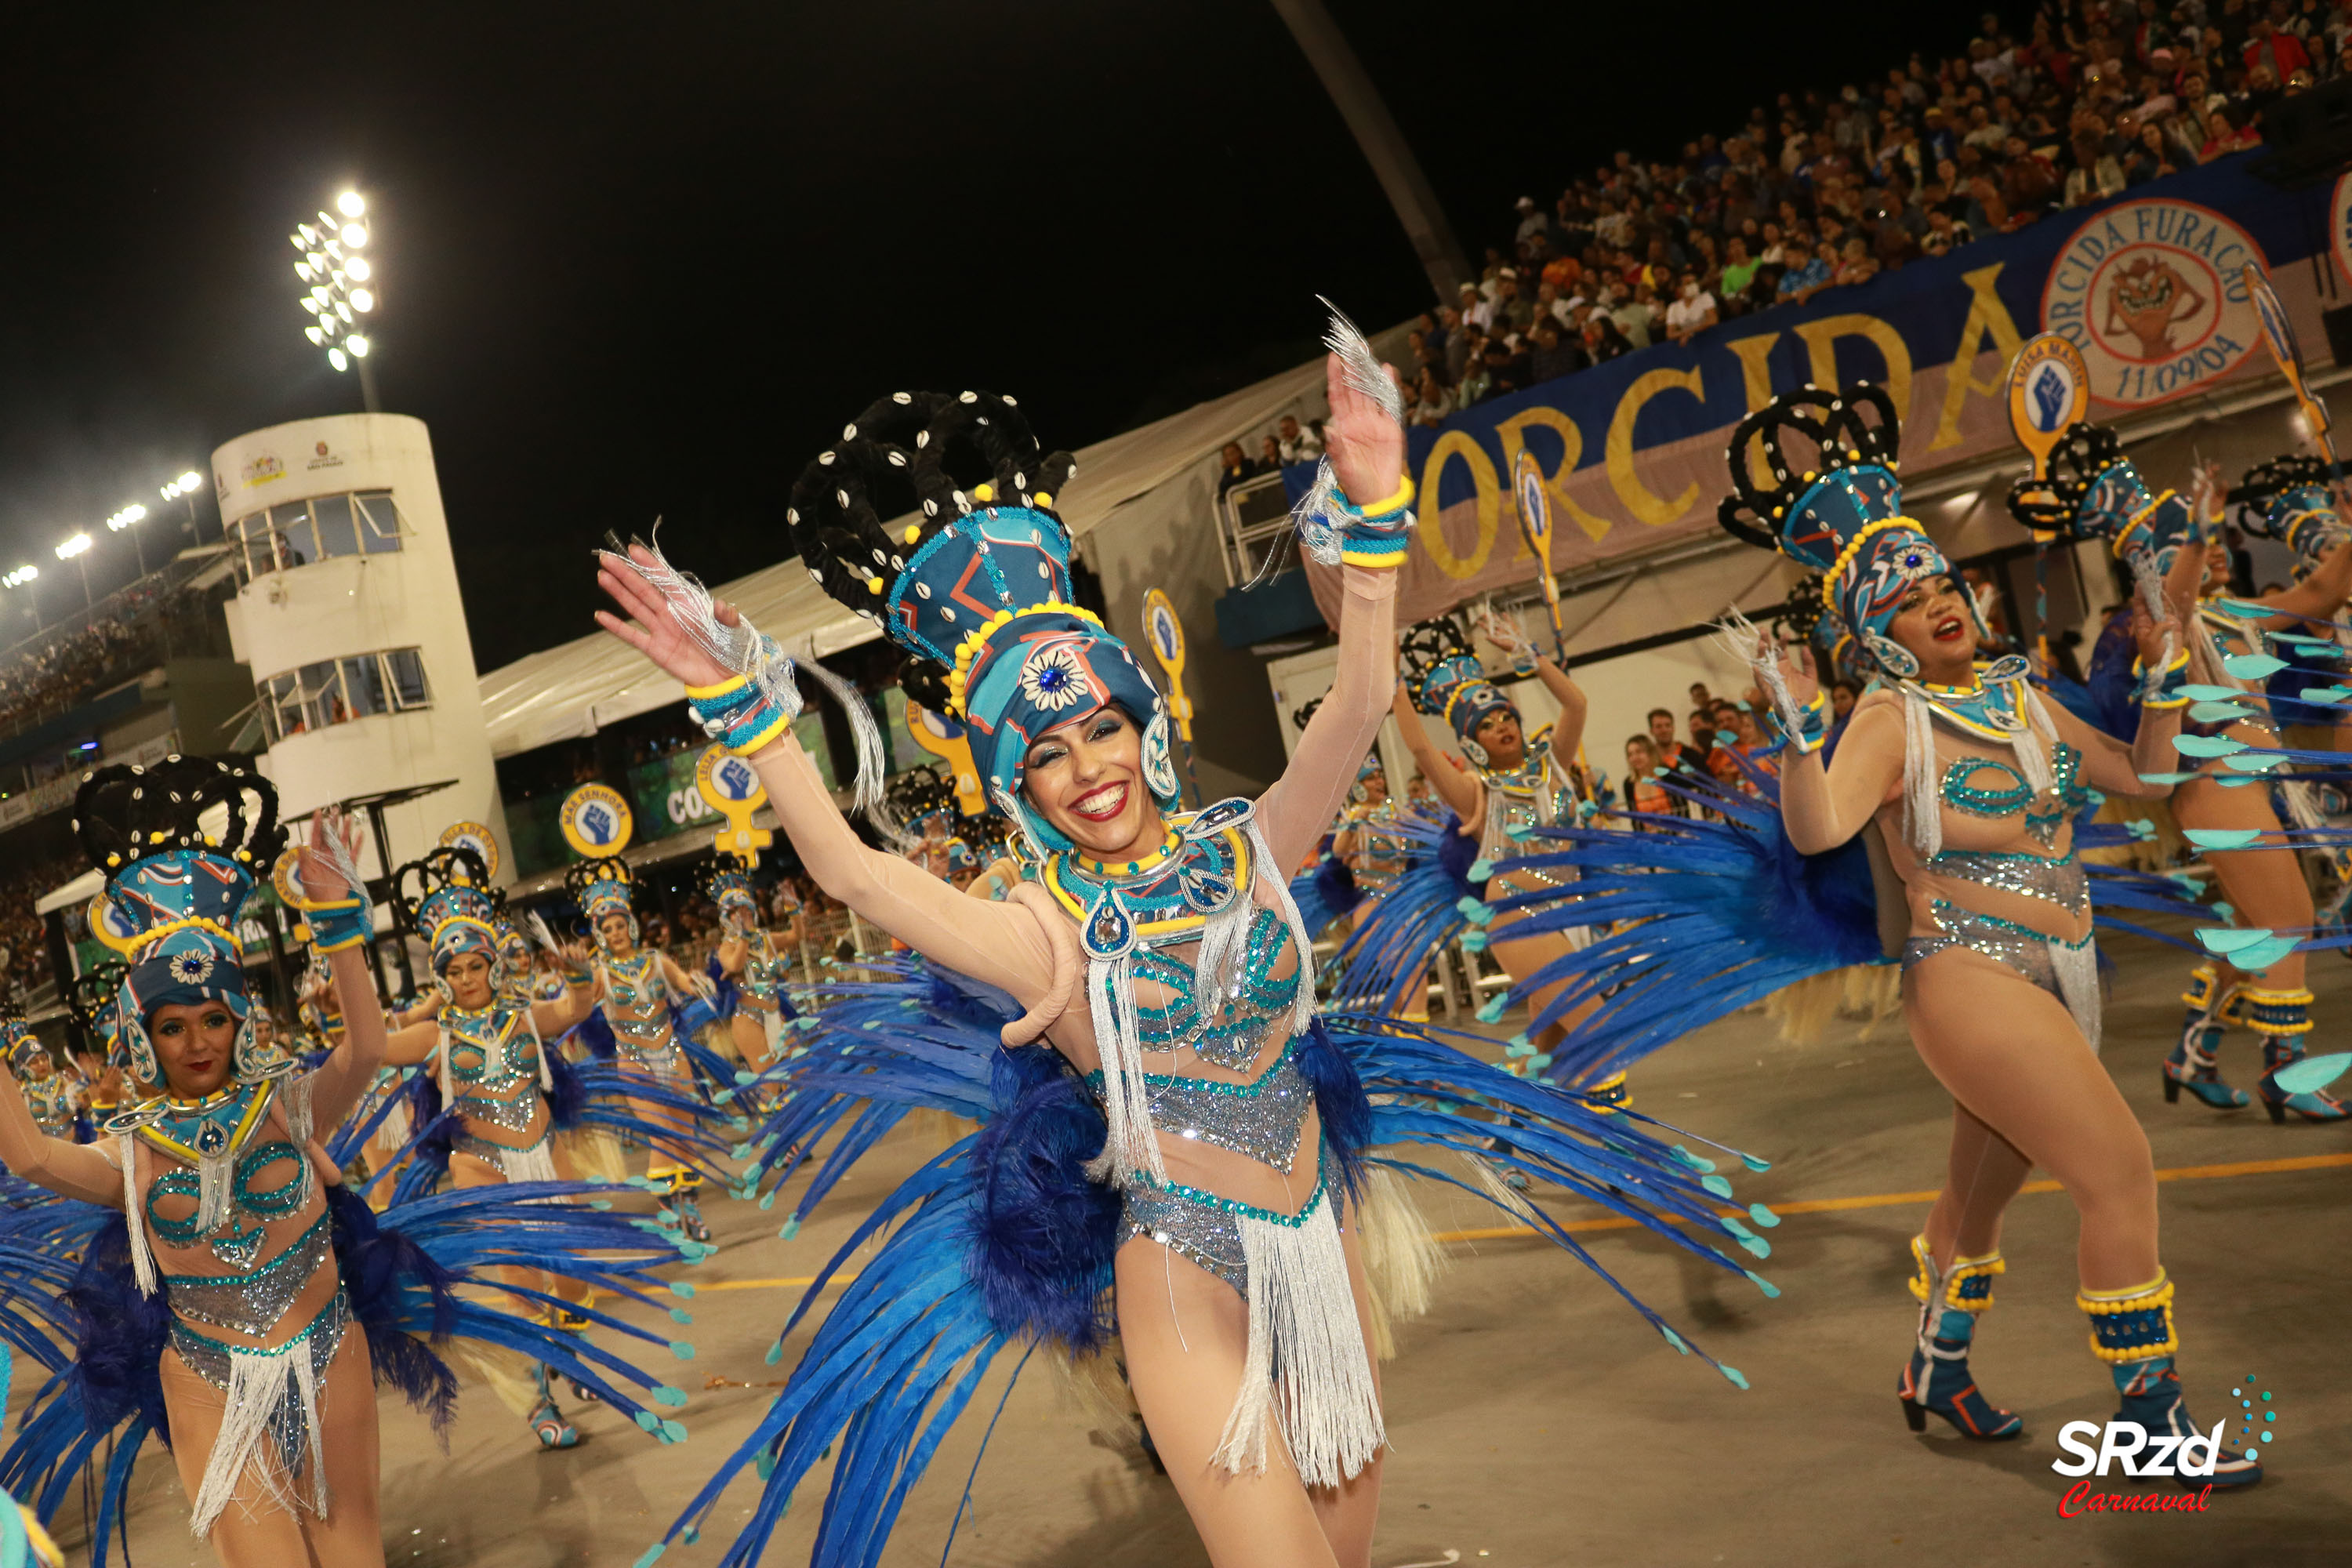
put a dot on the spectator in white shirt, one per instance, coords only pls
(1296, 445)
(1693, 311)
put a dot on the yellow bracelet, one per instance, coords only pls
(733, 683)
(1397, 502)
(783, 722)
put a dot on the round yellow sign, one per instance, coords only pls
(596, 821)
(477, 838)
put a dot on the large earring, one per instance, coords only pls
(1017, 813)
(1159, 767)
(1474, 751)
(247, 1054)
(1892, 656)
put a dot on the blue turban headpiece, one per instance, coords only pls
(2293, 500)
(975, 584)
(1838, 512)
(448, 901)
(2093, 492)
(1446, 680)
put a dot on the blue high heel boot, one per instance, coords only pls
(2193, 1064)
(2131, 1330)
(1937, 1379)
(2282, 1018)
(547, 1423)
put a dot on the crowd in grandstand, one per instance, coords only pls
(23, 945)
(49, 675)
(1819, 190)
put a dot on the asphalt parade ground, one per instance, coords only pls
(1534, 1418)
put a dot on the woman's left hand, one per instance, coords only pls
(323, 877)
(1365, 446)
(2151, 633)
(1505, 634)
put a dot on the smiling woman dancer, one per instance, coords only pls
(1515, 782)
(1231, 1248)
(1973, 785)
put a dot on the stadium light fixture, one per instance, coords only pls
(73, 547)
(332, 297)
(126, 517)
(20, 577)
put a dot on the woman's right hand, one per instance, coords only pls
(649, 627)
(1795, 663)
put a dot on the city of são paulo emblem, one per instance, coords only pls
(2152, 293)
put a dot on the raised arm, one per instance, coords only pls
(69, 1169)
(2317, 596)
(1822, 807)
(349, 1067)
(2107, 764)
(412, 1044)
(1365, 447)
(1002, 943)
(1302, 803)
(579, 999)
(1569, 733)
(1462, 793)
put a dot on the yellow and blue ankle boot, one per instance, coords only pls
(2194, 1063)
(2282, 1018)
(684, 1185)
(547, 1423)
(2131, 1330)
(1937, 1377)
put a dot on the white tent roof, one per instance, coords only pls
(577, 687)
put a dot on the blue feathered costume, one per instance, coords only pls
(1000, 1245)
(180, 842)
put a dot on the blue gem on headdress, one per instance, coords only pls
(191, 968)
(1912, 559)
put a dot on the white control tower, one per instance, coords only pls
(347, 612)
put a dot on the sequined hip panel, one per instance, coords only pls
(1203, 1228)
(663, 1058)
(1261, 1119)
(2004, 942)
(2054, 879)
(252, 1303)
(513, 1115)
(535, 1162)
(273, 1399)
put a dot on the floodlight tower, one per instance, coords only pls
(340, 287)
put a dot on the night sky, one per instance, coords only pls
(640, 261)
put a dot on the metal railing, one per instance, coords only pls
(53, 795)
(1252, 520)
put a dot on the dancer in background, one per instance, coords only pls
(1974, 787)
(1516, 782)
(636, 986)
(1222, 1217)
(59, 1100)
(245, 1297)
(750, 957)
(2095, 492)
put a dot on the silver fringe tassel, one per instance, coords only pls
(532, 1164)
(2077, 969)
(258, 1384)
(1307, 1366)
(1923, 807)
(1129, 1148)
(143, 1257)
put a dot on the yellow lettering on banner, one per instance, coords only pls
(1820, 344)
(1756, 380)
(1987, 319)
(1459, 443)
(1647, 508)
(1571, 444)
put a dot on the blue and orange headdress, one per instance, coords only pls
(180, 844)
(2093, 492)
(600, 888)
(1446, 680)
(2293, 500)
(1832, 503)
(727, 882)
(448, 901)
(974, 582)
(18, 1044)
